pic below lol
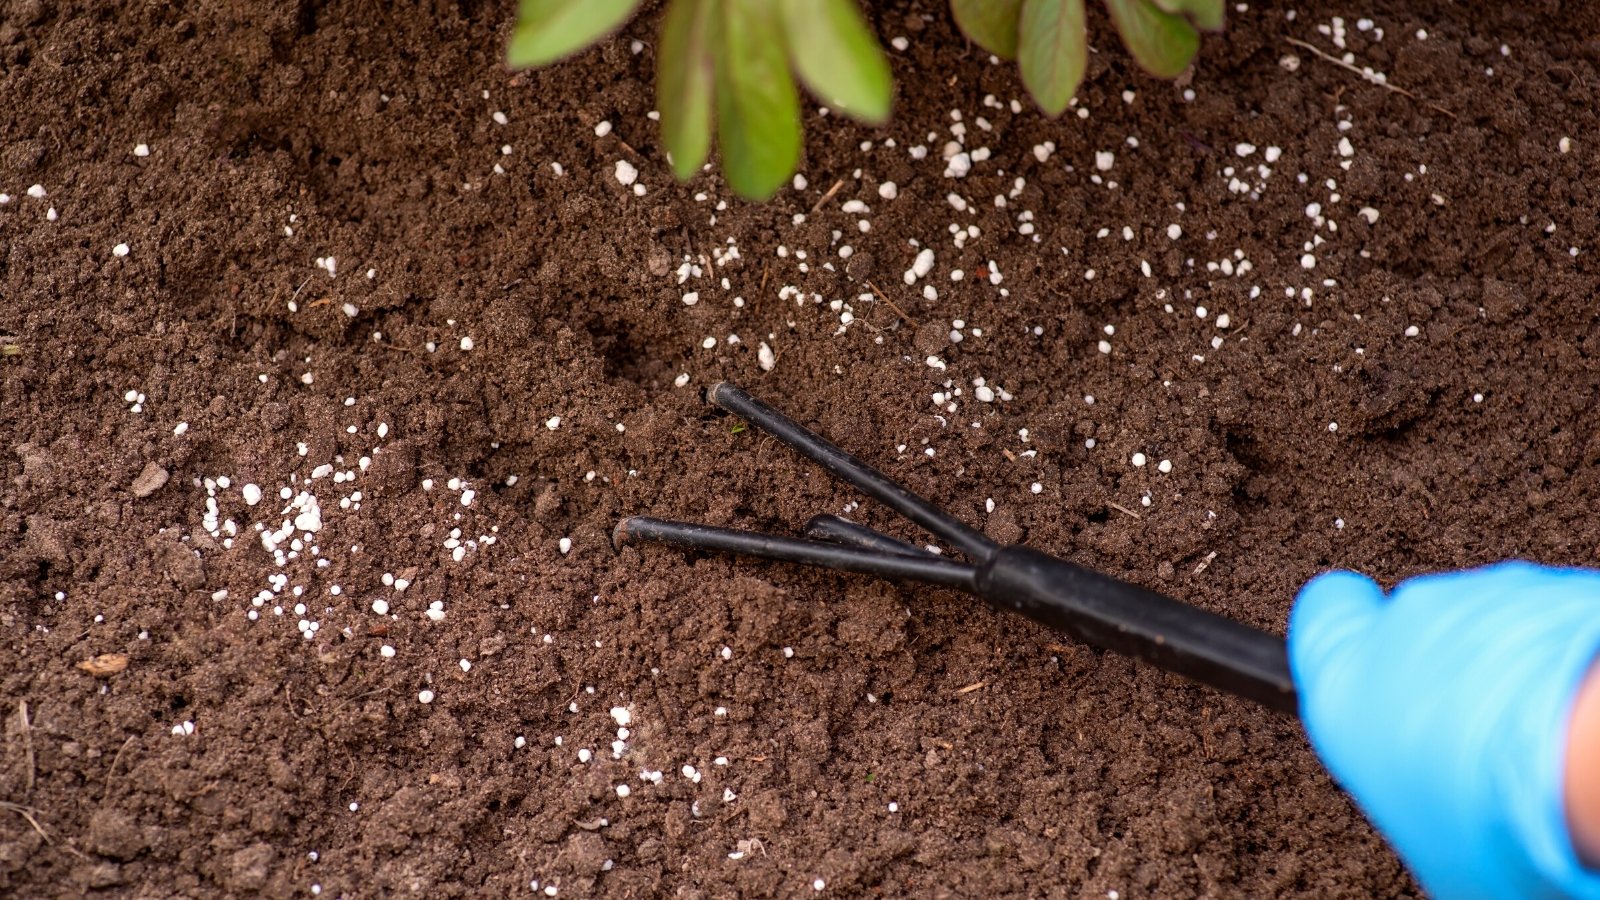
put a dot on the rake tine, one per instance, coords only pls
(925, 567)
(840, 530)
(870, 481)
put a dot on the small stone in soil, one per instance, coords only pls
(150, 480)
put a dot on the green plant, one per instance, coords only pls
(726, 64)
(736, 55)
(1049, 39)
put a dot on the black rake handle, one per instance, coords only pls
(1104, 612)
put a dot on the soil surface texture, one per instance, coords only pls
(333, 351)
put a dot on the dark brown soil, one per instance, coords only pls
(1019, 765)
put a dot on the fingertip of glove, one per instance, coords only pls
(1328, 611)
(1339, 586)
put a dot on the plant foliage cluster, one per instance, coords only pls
(729, 66)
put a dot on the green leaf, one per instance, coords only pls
(758, 111)
(550, 29)
(1163, 44)
(991, 24)
(1204, 14)
(1053, 51)
(837, 57)
(685, 72)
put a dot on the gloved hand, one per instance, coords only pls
(1443, 710)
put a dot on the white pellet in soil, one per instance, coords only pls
(921, 266)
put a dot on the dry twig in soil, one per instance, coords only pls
(27, 748)
(1123, 509)
(112, 771)
(902, 313)
(826, 197)
(28, 813)
(1368, 77)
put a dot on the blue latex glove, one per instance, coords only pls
(1443, 710)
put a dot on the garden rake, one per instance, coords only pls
(1091, 607)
